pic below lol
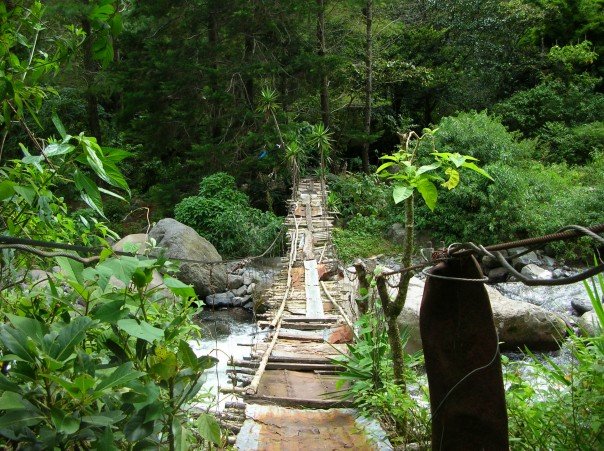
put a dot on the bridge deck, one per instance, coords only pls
(308, 323)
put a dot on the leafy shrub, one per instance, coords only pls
(101, 366)
(574, 145)
(481, 136)
(525, 200)
(223, 215)
(560, 406)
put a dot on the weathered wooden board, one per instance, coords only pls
(314, 305)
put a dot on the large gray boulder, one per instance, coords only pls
(589, 324)
(182, 242)
(518, 323)
(135, 240)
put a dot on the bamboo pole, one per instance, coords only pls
(339, 307)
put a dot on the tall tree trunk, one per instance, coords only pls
(249, 78)
(90, 70)
(215, 130)
(368, 13)
(322, 51)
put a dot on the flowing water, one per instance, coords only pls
(223, 332)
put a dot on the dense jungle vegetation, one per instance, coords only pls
(118, 113)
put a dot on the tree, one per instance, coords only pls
(401, 168)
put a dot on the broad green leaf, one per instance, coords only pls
(208, 428)
(109, 312)
(428, 191)
(428, 168)
(206, 362)
(179, 288)
(165, 368)
(8, 385)
(71, 268)
(137, 429)
(181, 435)
(457, 159)
(93, 159)
(111, 193)
(59, 125)
(121, 267)
(69, 337)
(99, 420)
(106, 442)
(83, 383)
(89, 191)
(17, 342)
(115, 177)
(143, 330)
(115, 155)
(453, 178)
(475, 168)
(6, 189)
(102, 12)
(121, 376)
(27, 193)
(187, 356)
(65, 422)
(20, 418)
(401, 192)
(29, 326)
(384, 166)
(55, 149)
(12, 401)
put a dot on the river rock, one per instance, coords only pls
(234, 281)
(251, 287)
(241, 291)
(220, 300)
(581, 305)
(556, 298)
(518, 323)
(523, 260)
(521, 324)
(181, 241)
(533, 271)
(498, 275)
(589, 324)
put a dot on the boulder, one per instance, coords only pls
(497, 275)
(523, 260)
(589, 324)
(251, 287)
(182, 242)
(241, 291)
(533, 271)
(234, 281)
(521, 324)
(554, 298)
(581, 305)
(220, 300)
(518, 323)
(140, 240)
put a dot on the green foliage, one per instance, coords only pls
(95, 363)
(367, 380)
(223, 215)
(481, 136)
(444, 168)
(569, 395)
(574, 145)
(526, 200)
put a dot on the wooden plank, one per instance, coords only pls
(314, 305)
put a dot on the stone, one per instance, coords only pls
(498, 275)
(241, 291)
(248, 305)
(589, 324)
(220, 300)
(234, 281)
(341, 334)
(518, 323)
(560, 273)
(554, 298)
(138, 240)
(581, 305)
(533, 271)
(182, 242)
(523, 260)
(521, 324)
(489, 262)
(237, 301)
(396, 233)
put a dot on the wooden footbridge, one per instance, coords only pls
(308, 322)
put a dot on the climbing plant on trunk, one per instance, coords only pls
(407, 177)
